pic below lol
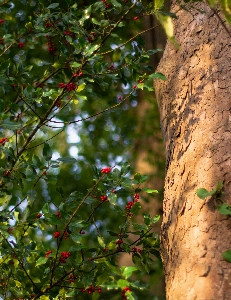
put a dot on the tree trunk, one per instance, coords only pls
(195, 109)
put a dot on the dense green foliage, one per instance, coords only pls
(69, 74)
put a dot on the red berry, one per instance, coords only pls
(20, 45)
(82, 232)
(9, 230)
(59, 214)
(136, 18)
(48, 253)
(118, 242)
(104, 198)
(2, 21)
(134, 86)
(38, 216)
(65, 254)
(44, 173)
(106, 170)
(56, 234)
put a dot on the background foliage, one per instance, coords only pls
(62, 65)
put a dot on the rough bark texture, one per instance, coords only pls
(195, 108)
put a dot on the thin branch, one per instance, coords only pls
(144, 31)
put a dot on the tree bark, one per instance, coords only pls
(195, 109)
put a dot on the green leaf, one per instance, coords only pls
(67, 160)
(60, 191)
(129, 296)
(146, 218)
(101, 241)
(95, 21)
(7, 124)
(95, 296)
(125, 169)
(227, 255)
(224, 209)
(155, 219)
(167, 24)
(116, 55)
(53, 5)
(45, 208)
(75, 64)
(76, 237)
(137, 177)
(47, 152)
(150, 191)
(157, 75)
(112, 198)
(112, 233)
(52, 219)
(101, 279)
(135, 208)
(138, 263)
(16, 292)
(219, 186)
(122, 283)
(4, 65)
(41, 261)
(127, 271)
(203, 193)
(77, 247)
(116, 4)
(127, 182)
(158, 4)
(31, 196)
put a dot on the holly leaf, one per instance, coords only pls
(227, 255)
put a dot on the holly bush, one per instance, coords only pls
(60, 61)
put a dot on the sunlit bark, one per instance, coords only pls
(195, 113)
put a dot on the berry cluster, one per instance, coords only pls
(9, 230)
(106, 170)
(131, 203)
(69, 86)
(51, 45)
(119, 242)
(67, 32)
(91, 290)
(41, 85)
(56, 234)
(80, 73)
(135, 250)
(59, 215)
(111, 68)
(64, 257)
(107, 5)
(38, 216)
(104, 198)
(66, 235)
(92, 37)
(124, 291)
(48, 253)
(3, 141)
(72, 278)
(47, 25)
(20, 45)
